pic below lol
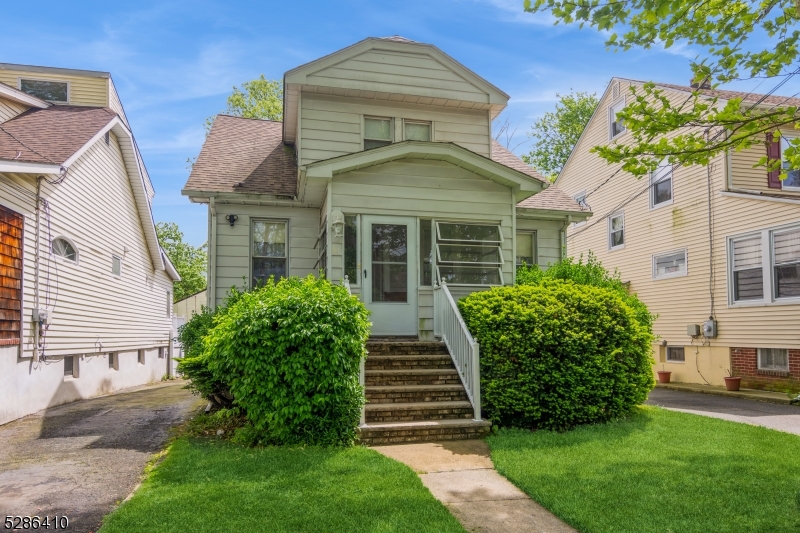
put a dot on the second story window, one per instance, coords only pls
(615, 125)
(792, 181)
(661, 185)
(377, 132)
(616, 231)
(50, 91)
(416, 131)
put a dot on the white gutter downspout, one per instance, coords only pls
(212, 256)
(564, 237)
(36, 268)
(513, 236)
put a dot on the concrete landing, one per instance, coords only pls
(461, 475)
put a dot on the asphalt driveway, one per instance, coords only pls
(80, 459)
(775, 416)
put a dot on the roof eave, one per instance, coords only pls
(6, 91)
(552, 213)
(24, 167)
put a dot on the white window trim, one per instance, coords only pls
(438, 235)
(767, 267)
(671, 190)
(499, 270)
(575, 197)
(29, 78)
(62, 258)
(758, 361)
(364, 125)
(673, 274)
(414, 121)
(608, 236)
(121, 267)
(444, 262)
(253, 220)
(611, 120)
(788, 135)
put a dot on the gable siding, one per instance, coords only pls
(332, 126)
(9, 109)
(83, 90)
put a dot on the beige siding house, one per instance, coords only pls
(85, 289)
(716, 244)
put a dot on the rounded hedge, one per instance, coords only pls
(558, 354)
(290, 352)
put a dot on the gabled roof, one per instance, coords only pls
(552, 199)
(506, 157)
(15, 95)
(244, 155)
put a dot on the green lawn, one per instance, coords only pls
(659, 471)
(210, 485)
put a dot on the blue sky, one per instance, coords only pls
(174, 63)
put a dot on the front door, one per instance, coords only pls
(390, 274)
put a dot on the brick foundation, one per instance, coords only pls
(744, 363)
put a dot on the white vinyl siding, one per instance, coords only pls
(9, 109)
(83, 90)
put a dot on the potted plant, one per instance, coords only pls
(663, 375)
(732, 382)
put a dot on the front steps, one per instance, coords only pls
(414, 394)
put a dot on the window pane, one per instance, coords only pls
(264, 267)
(616, 223)
(63, 248)
(662, 192)
(773, 359)
(617, 125)
(116, 266)
(617, 231)
(676, 353)
(378, 128)
(525, 248)
(470, 275)
(468, 232)
(467, 253)
(389, 243)
(417, 132)
(617, 238)
(389, 262)
(426, 252)
(351, 248)
(747, 252)
(52, 91)
(792, 179)
(269, 239)
(787, 247)
(787, 281)
(748, 284)
(69, 365)
(369, 145)
(670, 264)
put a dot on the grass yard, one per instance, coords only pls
(210, 485)
(659, 471)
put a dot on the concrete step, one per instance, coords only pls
(390, 347)
(412, 377)
(422, 431)
(388, 394)
(409, 412)
(410, 362)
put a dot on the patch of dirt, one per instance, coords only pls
(81, 459)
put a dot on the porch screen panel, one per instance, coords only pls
(269, 251)
(10, 276)
(469, 254)
(389, 263)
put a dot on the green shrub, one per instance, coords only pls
(290, 352)
(557, 354)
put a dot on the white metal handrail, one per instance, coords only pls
(464, 350)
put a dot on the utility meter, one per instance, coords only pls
(710, 328)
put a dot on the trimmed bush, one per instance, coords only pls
(557, 354)
(290, 352)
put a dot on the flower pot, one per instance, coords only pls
(732, 383)
(663, 376)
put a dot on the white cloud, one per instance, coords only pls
(513, 11)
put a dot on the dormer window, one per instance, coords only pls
(615, 125)
(48, 90)
(377, 132)
(416, 131)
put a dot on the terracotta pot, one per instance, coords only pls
(732, 383)
(663, 376)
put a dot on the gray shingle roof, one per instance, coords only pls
(746, 97)
(245, 155)
(551, 198)
(506, 157)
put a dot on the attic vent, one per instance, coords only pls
(615, 91)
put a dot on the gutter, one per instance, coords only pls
(758, 196)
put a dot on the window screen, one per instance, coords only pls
(469, 254)
(51, 91)
(786, 264)
(748, 276)
(377, 132)
(269, 250)
(669, 265)
(773, 359)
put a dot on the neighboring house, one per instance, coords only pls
(717, 243)
(85, 289)
(383, 171)
(190, 305)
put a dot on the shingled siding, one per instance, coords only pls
(11, 228)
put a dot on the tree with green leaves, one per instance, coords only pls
(191, 262)
(258, 98)
(557, 132)
(696, 130)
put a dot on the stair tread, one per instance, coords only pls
(405, 356)
(421, 371)
(414, 388)
(454, 423)
(410, 406)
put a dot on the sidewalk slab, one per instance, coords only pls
(750, 394)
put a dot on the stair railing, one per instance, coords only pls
(464, 350)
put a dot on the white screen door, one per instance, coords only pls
(390, 274)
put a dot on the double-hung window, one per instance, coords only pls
(269, 253)
(616, 231)
(377, 132)
(786, 263)
(669, 265)
(469, 254)
(765, 267)
(416, 130)
(792, 181)
(526, 248)
(746, 270)
(661, 185)
(615, 124)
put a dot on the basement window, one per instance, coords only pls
(773, 359)
(141, 357)
(48, 90)
(676, 354)
(69, 366)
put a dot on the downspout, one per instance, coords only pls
(212, 256)
(564, 236)
(513, 236)
(36, 263)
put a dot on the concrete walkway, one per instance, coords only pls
(461, 475)
(80, 459)
(759, 413)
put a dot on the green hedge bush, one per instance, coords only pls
(290, 352)
(557, 354)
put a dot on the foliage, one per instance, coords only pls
(259, 98)
(725, 31)
(557, 132)
(658, 471)
(290, 352)
(208, 484)
(558, 354)
(591, 272)
(191, 262)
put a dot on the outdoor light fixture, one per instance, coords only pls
(232, 219)
(337, 223)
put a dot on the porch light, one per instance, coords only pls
(337, 223)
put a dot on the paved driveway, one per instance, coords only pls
(776, 416)
(82, 458)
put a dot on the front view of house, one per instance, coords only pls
(383, 173)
